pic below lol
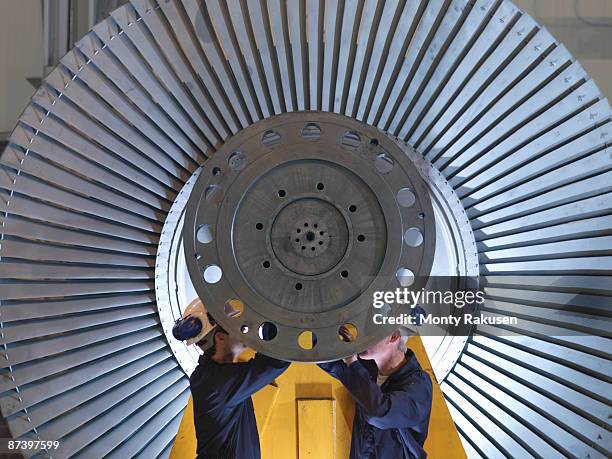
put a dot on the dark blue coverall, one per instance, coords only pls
(223, 410)
(391, 421)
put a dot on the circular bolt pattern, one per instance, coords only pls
(306, 202)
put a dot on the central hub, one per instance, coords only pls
(309, 236)
(317, 230)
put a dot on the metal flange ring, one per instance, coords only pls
(296, 222)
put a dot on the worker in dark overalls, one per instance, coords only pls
(221, 388)
(392, 399)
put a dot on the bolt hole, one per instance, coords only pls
(266, 264)
(267, 331)
(212, 274)
(307, 340)
(244, 329)
(344, 273)
(312, 248)
(216, 171)
(321, 233)
(282, 193)
(271, 139)
(299, 230)
(315, 225)
(405, 197)
(298, 286)
(306, 224)
(259, 226)
(353, 208)
(303, 247)
(214, 194)
(320, 186)
(421, 215)
(361, 238)
(405, 277)
(204, 234)
(234, 308)
(320, 242)
(374, 142)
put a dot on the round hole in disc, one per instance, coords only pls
(244, 328)
(271, 139)
(347, 333)
(214, 194)
(299, 286)
(311, 131)
(405, 277)
(266, 264)
(259, 226)
(384, 163)
(282, 193)
(413, 237)
(204, 234)
(320, 186)
(237, 161)
(374, 142)
(352, 208)
(344, 273)
(405, 197)
(361, 238)
(212, 274)
(351, 140)
(234, 308)
(307, 340)
(267, 331)
(216, 171)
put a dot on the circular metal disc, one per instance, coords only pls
(304, 216)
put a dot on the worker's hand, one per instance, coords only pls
(345, 334)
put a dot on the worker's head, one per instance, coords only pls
(197, 326)
(224, 343)
(394, 343)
